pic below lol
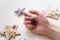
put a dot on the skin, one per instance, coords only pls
(43, 26)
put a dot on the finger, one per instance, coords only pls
(34, 12)
(27, 22)
(29, 26)
(27, 14)
(27, 18)
(37, 13)
(30, 18)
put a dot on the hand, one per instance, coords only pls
(42, 23)
(43, 26)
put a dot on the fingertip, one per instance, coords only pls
(26, 14)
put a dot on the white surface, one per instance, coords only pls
(7, 15)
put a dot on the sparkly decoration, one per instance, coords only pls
(54, 14)
(10, 32)
(19, 12)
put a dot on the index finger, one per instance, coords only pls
(34, 12)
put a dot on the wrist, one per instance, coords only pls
(53, 32)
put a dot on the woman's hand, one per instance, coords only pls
(43, 26)
(42, 23)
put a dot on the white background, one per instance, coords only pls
(8, 17)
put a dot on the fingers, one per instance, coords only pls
(27, 23)
(28, 17)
